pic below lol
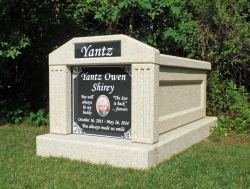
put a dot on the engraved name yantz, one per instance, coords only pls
(92, 52)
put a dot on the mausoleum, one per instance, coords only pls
(118, 101)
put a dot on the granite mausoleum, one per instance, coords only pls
(118, 101)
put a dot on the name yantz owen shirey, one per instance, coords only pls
(101, 86)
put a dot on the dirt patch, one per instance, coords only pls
(228, 139)
(206, 140)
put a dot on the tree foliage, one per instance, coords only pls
(225, 38)
(30, 31)
(212, 30)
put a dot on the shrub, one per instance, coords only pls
(230, 104)
(39, 118)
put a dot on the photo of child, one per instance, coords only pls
(102, 105)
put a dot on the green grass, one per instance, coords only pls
(214, 163)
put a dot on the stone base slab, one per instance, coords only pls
(124, 153)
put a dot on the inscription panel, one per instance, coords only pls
(102, 101)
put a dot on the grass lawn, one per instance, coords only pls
(214, 163)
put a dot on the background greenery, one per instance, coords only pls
(211, 30)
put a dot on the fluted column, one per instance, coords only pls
(145, 85)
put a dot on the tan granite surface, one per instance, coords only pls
(168, 106)
(145, 103)
(123, 153)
